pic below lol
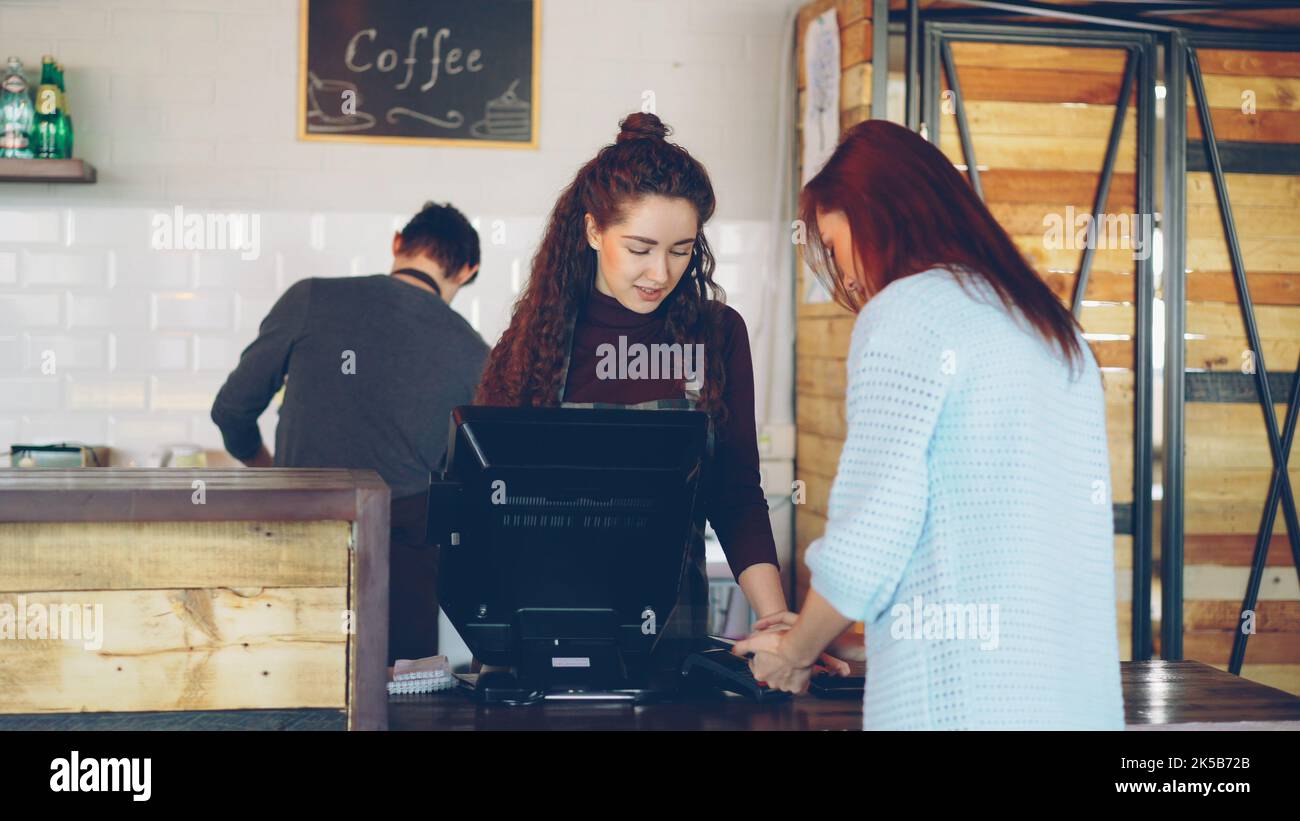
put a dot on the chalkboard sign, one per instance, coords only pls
(460, 72)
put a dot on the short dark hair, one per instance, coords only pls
(442, 233)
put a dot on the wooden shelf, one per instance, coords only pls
(16, 170)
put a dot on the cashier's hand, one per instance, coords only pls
(770, 666)
(261, 459)
(780, 622)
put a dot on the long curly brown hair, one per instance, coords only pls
(527, 365)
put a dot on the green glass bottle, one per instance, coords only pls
(17, 113)
(46, 133)
(64, 126)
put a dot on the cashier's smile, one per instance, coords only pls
(55, 621)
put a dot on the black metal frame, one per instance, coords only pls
(1139, 15)
(1139, 70)
(1184, 65)
(1180, 41)
(912, 107)
(1174, 225)
(879, 59)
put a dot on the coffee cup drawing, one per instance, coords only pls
(318, 120)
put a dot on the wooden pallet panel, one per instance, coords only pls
(1281, 676)
(1039, 85)
(1236, 549)
(1044, 257)
(1220, 319)
(1103, 286)
(1270, 616)
(1266, 287)
(1037, 119)
(1010, 185)
(1216, 582)
(1234, 353)
(817, 377)
(52, 556)
(1249, 63)
(1227, 91)
(190, 649)
(1274, 254)
(855, 87)
(1045, 153)
(1262, 648)
(1261, 190)
(1029, 219)
(1227, 516)
(823, 416)
(1227, 435)
(855, 41)
(819, 454)
(1233, 124)
(825, 337)
(1017, 56)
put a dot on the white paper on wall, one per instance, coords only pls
(821, 114)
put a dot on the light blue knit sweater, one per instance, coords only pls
(970, 520)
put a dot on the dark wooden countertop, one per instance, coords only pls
(1156, 694)
(1191, 692)
(166, 494)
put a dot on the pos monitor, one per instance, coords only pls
(564, 535)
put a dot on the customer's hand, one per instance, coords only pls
(849, 646)
(770, 666)
(782, 620)
(261, 459)
(835, 665)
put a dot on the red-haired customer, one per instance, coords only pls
(970, 523)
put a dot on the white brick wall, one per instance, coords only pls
(191, 103)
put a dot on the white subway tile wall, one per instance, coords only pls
(91, 332)
(8, 268)
(190, 104)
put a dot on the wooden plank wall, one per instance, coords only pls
(822, 329)
(1228, 463)
(195, 615)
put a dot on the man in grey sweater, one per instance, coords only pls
(371, 368)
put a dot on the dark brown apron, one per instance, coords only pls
(687, 625)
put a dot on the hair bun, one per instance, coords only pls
(642, 126)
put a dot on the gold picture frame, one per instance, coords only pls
(535, 117)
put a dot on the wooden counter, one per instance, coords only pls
(1158, 695)
(193, 593)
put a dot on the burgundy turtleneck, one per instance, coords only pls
(733, 498)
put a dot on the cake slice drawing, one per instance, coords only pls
(505, 118)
